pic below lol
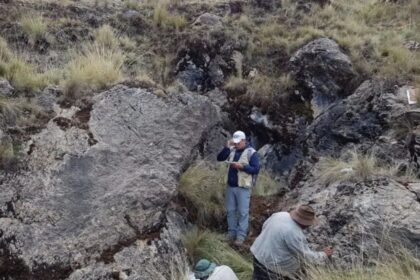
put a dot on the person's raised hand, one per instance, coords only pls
(229, 143)
(237, 165)
(329, 251)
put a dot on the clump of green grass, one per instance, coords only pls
(95, 67)
(34, 27)
(204, 187)
(205, 244)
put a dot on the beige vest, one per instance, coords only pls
(244, 179)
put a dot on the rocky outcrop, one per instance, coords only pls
(206, 59)
(359, 119)
(143, 259)
(324, 71)
(363, 219)
(95, 195)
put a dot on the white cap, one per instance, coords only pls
(238, 136)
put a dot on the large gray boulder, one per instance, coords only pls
(92, 191)
(324, 71)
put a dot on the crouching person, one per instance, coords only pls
(281, 248)
(206, 270)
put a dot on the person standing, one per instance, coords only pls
(244, 166)
(281, 248)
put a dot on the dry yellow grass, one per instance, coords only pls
(95, 67)
(204, 187)
(166, 20)
(23, 76)
(106, 37)
(35, 27)
(400, 266)
(356, 167)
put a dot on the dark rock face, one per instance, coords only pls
(81, 202)
(267, 4)
(324, 71)
(235, 7)
(206, 60)
(306, 5)
(360, 118)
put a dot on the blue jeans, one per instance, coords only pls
(237, 208)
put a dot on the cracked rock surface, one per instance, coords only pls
(84, 204)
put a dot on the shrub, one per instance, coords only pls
(34, 27)
(95, 67)
(205, 244)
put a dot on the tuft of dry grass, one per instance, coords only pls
(236, 86)
(106, 37)
(400, 266)
(266, 185)
(164, 19)
(34, 27)
(95, 67)
(5, 53)
(204, 188)
(356, 167)
(23, 76)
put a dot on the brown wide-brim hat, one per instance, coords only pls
(304, 215)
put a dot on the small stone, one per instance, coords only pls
(208, 19)
(6, 90)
